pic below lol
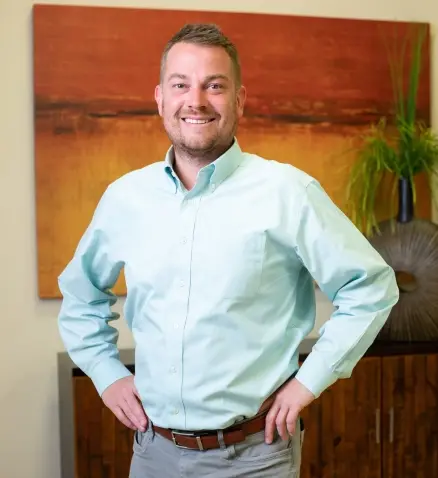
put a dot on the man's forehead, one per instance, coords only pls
(185, 59)
(183, 51)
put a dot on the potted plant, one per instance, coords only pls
(399, 151)
(396, 151)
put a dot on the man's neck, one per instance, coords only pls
(187, 166)
(187, 170)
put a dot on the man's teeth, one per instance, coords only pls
(196, 121)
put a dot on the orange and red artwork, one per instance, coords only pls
(314, 85)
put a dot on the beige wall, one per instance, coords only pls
(28, 387)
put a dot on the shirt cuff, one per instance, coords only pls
(107, 372)
(315, 375)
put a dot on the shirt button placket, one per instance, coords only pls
(182, 268)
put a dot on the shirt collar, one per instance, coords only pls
(217, 171)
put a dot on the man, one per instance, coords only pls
(220, 249)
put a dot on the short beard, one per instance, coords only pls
(215, 148)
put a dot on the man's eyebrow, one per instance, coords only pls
(179, 76)
(216, 76)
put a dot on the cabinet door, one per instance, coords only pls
(103, 446)
(410, 420)
(342, 437)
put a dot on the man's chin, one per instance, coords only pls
(198, 146)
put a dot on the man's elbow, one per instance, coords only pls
(390, 292)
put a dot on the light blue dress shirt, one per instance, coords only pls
(220, 288)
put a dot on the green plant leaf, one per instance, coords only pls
(403, 149)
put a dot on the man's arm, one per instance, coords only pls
(85, 314)
(359, 283)
(362, 288)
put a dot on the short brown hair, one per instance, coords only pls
(206, 34)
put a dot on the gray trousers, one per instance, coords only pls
(157, 457)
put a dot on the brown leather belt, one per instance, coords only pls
(207, 440)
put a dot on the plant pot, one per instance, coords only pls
(405, 201)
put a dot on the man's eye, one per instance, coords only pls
(215, 86)
(179, 85)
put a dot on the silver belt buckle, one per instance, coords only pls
(198, 440)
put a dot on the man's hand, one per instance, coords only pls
(123, 399)
(283, 414)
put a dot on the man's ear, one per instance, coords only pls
(241, 98)
(159, 99)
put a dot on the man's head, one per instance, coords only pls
(200, 95)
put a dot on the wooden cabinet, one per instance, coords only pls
(103, 446)
(410, 416)
(342, 437)
(380, 423)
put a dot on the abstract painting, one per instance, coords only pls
(314, 84)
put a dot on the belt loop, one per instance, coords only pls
(220, 439)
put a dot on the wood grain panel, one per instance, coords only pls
(410, 425)
(103, 446)
(342, 430)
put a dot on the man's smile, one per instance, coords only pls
(197, 121)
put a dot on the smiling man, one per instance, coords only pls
(220, 249)
(201, 99)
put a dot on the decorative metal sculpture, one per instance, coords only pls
(410, 246)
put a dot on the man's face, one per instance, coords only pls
(198, 98)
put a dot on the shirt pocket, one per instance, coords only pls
(233, 268)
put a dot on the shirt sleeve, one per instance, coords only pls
(85, 314)
(353, 275)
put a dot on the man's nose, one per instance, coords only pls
(197, 97)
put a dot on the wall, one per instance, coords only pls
(28, 391)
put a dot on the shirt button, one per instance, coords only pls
(183, 240)
(181, 283)
(175, 411)
(172, 369)
(213, 187)
(175, 326)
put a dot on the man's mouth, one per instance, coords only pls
(198, 120)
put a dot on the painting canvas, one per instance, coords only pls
(314, 85)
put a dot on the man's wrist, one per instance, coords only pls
(315, 375)
(106, 372)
